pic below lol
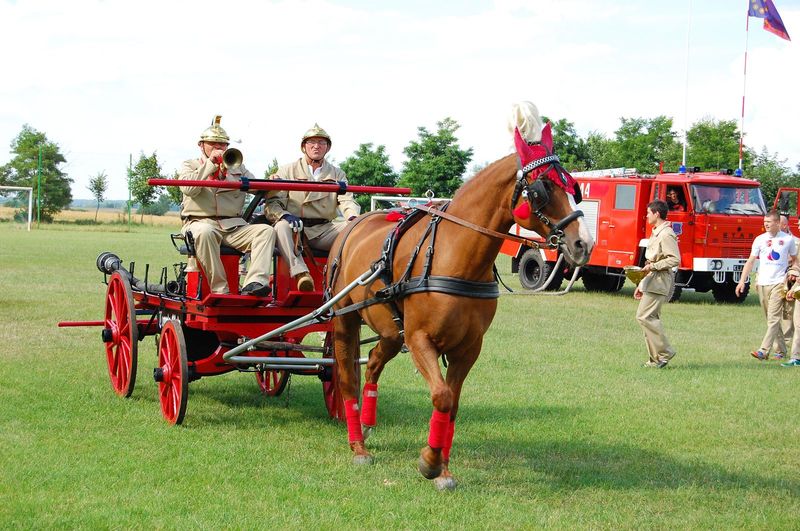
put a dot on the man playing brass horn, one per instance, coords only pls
(290, 212)
(213, 215)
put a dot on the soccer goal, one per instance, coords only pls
(30, 198)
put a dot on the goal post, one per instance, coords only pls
(28, 189)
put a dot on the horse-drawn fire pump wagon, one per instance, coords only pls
(197, 330)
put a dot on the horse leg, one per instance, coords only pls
(385, 350)
(426, 358)
(346, 350)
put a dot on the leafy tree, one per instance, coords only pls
(22, 170)
(272, 169)
(173, 192)
(644, 143)
(570, 148)
(159, 207)
(369, 167)
(435, 161)
(771, 172)
(713, 144)
(98, 186)
(600, 151)
(142, 193)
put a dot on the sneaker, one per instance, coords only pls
(651, 364)
(779, 356)
(254, 289)
(759, 355)
(305, 282)
(794, 362)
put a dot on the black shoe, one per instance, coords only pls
(255, 289)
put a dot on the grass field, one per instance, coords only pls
(559, 427)
(105, 217)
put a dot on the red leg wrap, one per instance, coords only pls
(439, 425)
(353, 424)
(448, 443)
(369, 404)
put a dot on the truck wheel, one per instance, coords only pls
(600, 282)
(531, 269)
(726, 293)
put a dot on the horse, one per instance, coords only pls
(442, 305)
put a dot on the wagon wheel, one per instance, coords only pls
(271, 382)
(121, 335)
(173, 372)
(330, 383)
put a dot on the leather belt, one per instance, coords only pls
(310, 222)
(192, 218)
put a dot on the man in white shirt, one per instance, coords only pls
(775, 251)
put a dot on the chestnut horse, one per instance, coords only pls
(454, 295)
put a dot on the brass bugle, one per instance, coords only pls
(232, 159)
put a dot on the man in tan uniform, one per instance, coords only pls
(662, 255)
(213, 216)
(314, 212)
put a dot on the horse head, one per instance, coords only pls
(546, 196)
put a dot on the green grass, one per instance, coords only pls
(559, 427)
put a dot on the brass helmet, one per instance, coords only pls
(318, 132)
(215, 133)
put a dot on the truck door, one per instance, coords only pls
(621, 226)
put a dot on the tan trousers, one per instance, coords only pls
(285, 241)
(259, 240)
(325, 239)
(796, 340)
(771, 298)
(649, 316)
(787, 325)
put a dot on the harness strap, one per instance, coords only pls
(483, 230)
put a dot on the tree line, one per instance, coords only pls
(434, 161)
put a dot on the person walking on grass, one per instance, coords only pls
(662, 256)
(775, 251)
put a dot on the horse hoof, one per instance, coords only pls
(427, 471)
(445, 483)
(363, 460)
(366, 431)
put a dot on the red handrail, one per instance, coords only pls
(301, 186)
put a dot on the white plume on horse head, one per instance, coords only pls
(525, 117)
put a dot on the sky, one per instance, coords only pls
(107, 79)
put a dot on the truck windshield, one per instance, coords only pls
(727, 200)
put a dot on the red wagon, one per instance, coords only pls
(197, 328)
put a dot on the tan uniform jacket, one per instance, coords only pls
(663, 254)
(310, 205)
(201, 202)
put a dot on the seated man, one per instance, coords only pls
(674, 200)
(292, 211)
(213, 216)
(727, 197)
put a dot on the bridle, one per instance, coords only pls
(536, 193)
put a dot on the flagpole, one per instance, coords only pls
(744, 91)
(686, 89)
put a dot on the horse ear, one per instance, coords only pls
(523, 149)
(547, 138)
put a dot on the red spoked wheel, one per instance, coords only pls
(121, 335)
(172, 374)
(272, 382)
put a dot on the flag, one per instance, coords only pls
(772, 20)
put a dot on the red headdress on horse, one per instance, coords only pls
(537, 155)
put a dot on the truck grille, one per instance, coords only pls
(736, 251)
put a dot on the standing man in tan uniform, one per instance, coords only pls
(213, 216)
(662, 255)
(314, 212)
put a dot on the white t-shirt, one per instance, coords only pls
(773, 254)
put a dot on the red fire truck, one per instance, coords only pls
(719, 216)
